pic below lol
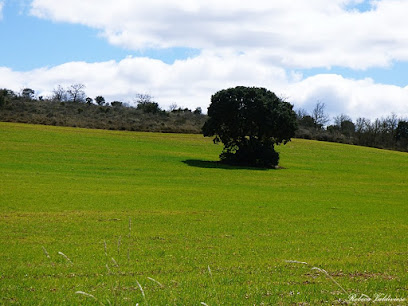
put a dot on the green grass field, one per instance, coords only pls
(103, 212)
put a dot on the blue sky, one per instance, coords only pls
(396, 74)
(351, 54)
(53, 43)
(362, 6)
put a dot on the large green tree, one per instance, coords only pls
(249, 121)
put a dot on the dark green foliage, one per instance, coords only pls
(100, 100)
(347, 128)
(181, 110)
(27, 93)
(249, 121)
(333, 129)
(7, 93)
(306, 121)
(198, 111)
(149, 107)
(252, 153)
(401, 134)
(116, 104)
(146, 104)
(402, 130)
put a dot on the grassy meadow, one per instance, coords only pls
(148, 218)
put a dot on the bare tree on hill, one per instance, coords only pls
(319, 115)
(76, 92)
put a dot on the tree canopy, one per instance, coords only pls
(100, 100)
(249, 121)
(27, 93)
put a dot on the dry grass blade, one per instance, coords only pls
(115, 263)
(119, 243)
(209, 271)
(155, 281)
(212, 280)
(109, 270)
(142, 291)
(66, 257)
(297, 262)
(89, 296)
(130, 226)
(86, 294)
(329, 276)
(46, 253)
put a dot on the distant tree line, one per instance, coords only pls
(71, 106)
(75, 93)
(389, 132)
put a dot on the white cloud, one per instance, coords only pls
(190, 83)
(254, 43)
(295, 33)
(356, 98)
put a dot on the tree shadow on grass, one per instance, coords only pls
(218, 165)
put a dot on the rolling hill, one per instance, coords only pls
(109, 217)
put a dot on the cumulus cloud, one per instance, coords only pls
(356, 98)
(190, 83)
(296, 33)
(252, 43)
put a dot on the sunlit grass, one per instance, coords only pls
(127, 208)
